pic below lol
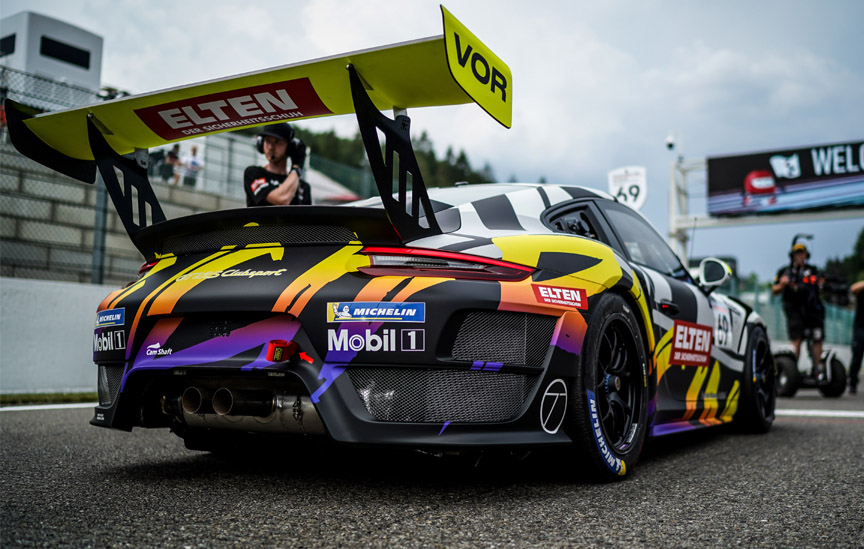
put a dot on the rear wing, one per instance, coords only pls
(450, 69)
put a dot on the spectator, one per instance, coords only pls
(168, 168)
(279, 181)
(191, 165)
(857, 337)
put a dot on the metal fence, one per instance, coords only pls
(838, 320)
(43, 93)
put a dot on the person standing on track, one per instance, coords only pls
(279, 181)
(800, 284)
(857, 290)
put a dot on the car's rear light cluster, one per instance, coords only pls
(421, 262)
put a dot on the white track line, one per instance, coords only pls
(48, 407)
(789, 413)
(820, 413)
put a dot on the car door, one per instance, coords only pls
(683, 319)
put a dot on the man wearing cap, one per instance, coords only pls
(800, 284)
(278, 181)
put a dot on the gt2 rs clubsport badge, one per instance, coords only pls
(554, 295)
(362, 311)
(691, 344)
(233, 109)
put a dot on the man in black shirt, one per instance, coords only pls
(857, 337)
(800, 284)
(279, 181)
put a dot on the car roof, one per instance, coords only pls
(459, 195)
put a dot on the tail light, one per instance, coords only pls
(420, 262)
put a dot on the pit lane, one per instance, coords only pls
(66, 483)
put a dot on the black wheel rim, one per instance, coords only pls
(763, 378)
(618, 384)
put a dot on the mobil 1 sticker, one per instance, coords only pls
(385, 341)
(108, 340)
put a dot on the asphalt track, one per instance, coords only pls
(67, 484)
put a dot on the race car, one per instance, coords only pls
(508, 316)
(759, 183)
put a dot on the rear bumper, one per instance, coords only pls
(461, 405)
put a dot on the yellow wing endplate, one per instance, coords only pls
(452, 69)
(477, 70)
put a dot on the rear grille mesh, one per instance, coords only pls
(415, 395)
(506, 337)
(243, 236)
(109, 383)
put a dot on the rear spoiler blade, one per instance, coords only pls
(453, 68)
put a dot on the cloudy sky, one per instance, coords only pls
(596, 85)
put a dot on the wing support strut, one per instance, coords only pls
(133, 193)
(412, 216)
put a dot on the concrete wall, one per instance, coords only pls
(47, 220)
(46, 335)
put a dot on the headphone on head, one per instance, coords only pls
(282, 131)
(799, 248)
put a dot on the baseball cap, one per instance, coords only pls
(799, 248)
(282, 131)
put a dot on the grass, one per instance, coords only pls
(47, 398)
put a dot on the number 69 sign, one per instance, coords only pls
(629, 185)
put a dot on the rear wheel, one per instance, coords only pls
(837, 386)
(609, 419)
(788, 377)
(758, 385)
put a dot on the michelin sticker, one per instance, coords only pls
(110, 317)
(367, 311)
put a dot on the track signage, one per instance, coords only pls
(818, 177)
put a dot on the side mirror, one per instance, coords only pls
(713, 273)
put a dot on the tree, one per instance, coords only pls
(851, 267)
(436, 173)
(842, 272)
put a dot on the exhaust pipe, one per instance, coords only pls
(258, 411)
(242, 403)
(196, 401)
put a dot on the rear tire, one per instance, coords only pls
(788, 377)
(837, 386)
(610, 412)
(758, 385)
